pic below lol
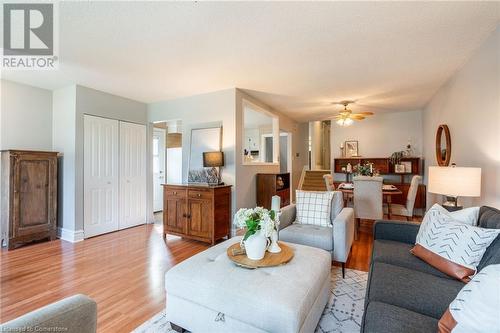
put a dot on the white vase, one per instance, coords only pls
(256, 245)
(274, 247)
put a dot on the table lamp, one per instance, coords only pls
(453, 182)
(214, 160)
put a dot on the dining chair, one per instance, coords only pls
(407, 210)
(329, 182)
(367, 199)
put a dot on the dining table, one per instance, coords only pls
(386, 193)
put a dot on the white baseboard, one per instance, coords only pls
(70, 235)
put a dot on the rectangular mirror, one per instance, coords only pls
(202, 140)
(260, 135)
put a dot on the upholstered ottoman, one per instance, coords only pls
(209, 293)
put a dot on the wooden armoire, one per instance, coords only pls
(29, 196)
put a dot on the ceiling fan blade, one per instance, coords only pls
(356, 117)
(365, 113)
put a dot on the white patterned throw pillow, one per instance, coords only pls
(477, 306)
(314, 208)
(453, 247)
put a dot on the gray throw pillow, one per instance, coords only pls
(489, 217)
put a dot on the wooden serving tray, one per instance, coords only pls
(269, 260)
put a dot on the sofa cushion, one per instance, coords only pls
(398, 254)
(383, 317)
(477, 305)
(337, 204)
(410, 289)
(310, 235)
(490, 218)
(452, 247)
(314, 208)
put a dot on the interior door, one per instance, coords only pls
(132, 174)
(100, 166)
(158, 168)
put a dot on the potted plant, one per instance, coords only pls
(364, 169)
(396, 157)
(260, 224)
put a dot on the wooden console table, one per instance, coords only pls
(197, 212)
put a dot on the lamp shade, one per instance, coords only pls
(455, 181)
(213, 159)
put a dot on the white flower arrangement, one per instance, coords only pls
(255, 219)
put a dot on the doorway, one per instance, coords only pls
(159, 148)
(167, 159)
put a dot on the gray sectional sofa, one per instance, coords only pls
(405, 294)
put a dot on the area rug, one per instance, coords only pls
(342, 313)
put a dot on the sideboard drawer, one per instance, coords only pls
(200, 194)
(174, 192)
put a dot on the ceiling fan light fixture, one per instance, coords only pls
(345, 122)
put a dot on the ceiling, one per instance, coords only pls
(297, 57)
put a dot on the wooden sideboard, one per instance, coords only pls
(267, 187)
(29, 196)
(201, 213)
(382, 164)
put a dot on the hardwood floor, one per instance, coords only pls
(122, 271)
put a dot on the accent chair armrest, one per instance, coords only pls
(73, 314)
(405, 232)
(343, 234)
(288, 215)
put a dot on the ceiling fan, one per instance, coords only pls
(346, 117)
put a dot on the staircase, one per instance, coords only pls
(313, 180)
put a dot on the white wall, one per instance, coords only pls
(25, 117)
(380, 135)
(98, 103)
(63, 141)
(199, 111)
(247, 174)
(225, 108)
(469, 103)
(70, 105)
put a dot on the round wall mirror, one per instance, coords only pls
(443, 145)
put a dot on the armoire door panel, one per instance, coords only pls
(29, 196)
(132, 174)
(33, 193)
(33, 210)
(101, 175)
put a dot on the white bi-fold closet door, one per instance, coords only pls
(132, 174)
(114, 175)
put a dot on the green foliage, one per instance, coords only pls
(396, 157)
(252, 226)
(363, 169)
